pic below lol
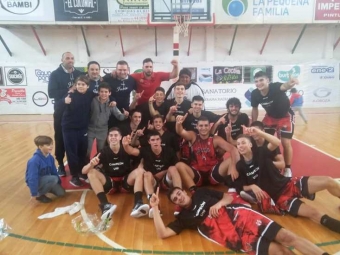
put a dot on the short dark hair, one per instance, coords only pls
(293, 90)
(83, 78)
(104, 85)
(153, 133)
(197, 98)
(147, 60)
(260, 74)
(158, 116)
(122, 62)
(115, 129)
(244, 136)
(257, 123)
(171, 190)
(133, 112)
(91, 63)
(160, 89)
(203, 118)
(43, 140)
(185, 71)
(233, 101)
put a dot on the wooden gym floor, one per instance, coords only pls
(30, 235)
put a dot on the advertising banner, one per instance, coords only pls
(15, 76)
(264, 11)
(39, 76)
(250, 71)
(327, 10)
(75, 10)
(227, 74)
(28, 10)
(129, 11)
(1, 77)
(12, 96)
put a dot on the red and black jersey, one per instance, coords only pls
(262, 172)
(236, 127)
(114, 165)
(276, 103)
(157, 163)
(203, 155)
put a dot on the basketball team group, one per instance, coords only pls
(166, 141)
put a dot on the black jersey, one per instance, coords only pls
(236, 128)
(146, 116)
(191, 218)
(182, 109)
(158, 163)
(168, 140)
(262, 172)
(114, 165)
(271, 154)
(191, 121)
(276, 102)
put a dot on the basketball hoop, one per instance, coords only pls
(182, 23)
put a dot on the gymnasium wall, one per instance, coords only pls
(220, 74)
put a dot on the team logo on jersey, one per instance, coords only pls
(235, 8)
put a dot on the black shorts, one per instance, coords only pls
(115, 184)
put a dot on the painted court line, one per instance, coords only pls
(313, 147)
(101, 236)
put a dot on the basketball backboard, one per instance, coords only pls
(165, 11)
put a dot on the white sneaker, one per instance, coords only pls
(287, 172)
(107, 211)
(140, 210)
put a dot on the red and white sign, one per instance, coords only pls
(13, 96)
(327, 10)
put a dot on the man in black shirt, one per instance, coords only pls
(230, 225)
(61, 80)
(259, 175)
(110, 171)
(177, 106)
(155, 106)
(121, 87)
(168, 139)
(233, 119)
(158, 162)
(279, 116)
(197, 107)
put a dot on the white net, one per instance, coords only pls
(182, 23)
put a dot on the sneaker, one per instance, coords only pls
(237, 199)
(84, 178)
(61, 171)
(178, 209)
(43, 199)
(76, 182)
(248, 196)
(151, 213)
(107, 210)
(287, 172)
(140, 210)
